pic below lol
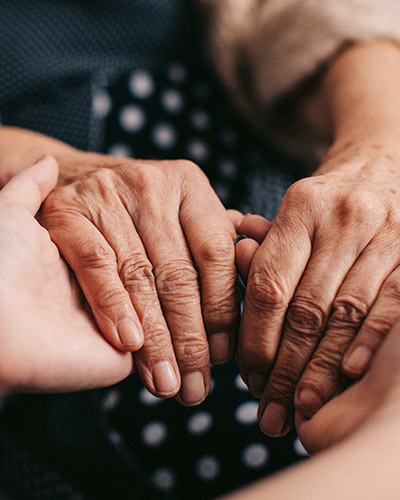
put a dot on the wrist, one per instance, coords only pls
(358, 93)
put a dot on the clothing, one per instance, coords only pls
(265, 49)
(60, 62)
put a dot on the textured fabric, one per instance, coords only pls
(55, 53)
(264, 49)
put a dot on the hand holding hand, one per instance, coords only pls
(48, 341)
(152, 249)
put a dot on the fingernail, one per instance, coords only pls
(220, 347)
(357, 361)
(130, 334)
(273, 419)
(164, 378)
(309, 399)
(257, 384)
(193, 389)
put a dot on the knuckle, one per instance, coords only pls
(192, 351)
(218, 249)
(392, 289)
(178, 278)
(136, 274)
(348, 312)
(378, 325)
(220, 315)
(157, 339)
(265, 293)
(108, 297)
(306, 318)
(302, 191)
(281, 385)
(95, 255)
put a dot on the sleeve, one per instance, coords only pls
(264, 50)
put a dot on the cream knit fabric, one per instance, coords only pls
(264, 49)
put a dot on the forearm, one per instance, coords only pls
(21, 148)
(363, 467)
(357, 100)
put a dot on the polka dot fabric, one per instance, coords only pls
(193, 453)
(177, 113)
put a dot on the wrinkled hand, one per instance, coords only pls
(323, 287)
(144, 238)
(48, 342)
(372, 397)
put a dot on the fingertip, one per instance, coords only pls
(245, 251)
(254, 226)
(130, 334)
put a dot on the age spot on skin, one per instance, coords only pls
(392, 191)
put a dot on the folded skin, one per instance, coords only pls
(48, 340)
(322, 289)
(143, 239)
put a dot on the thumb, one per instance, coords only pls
(31, 186)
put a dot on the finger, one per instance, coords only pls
(30, 187)
(210, 239)
(245, 251)
(235, 217)
(178, 290)
(323, 378)
(254, 226)
(306, 319)
(155, 362)
(275, 271)
(381, 317)
(94, 263)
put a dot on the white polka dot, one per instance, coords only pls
(141, 84)
(255, 455)
(163, 479)
(148, 399)
(101, 104)
(228, 168)
(199, 423)
(177, 73)
(207, 467)
(299, 448)
(172, 100)
(154, 433)
(198, 150)
(111, 400)
(115, 437)
(200, 119)
(164, 136)
(121, 150)
(132, 118)
(246, 413)
(240, 384)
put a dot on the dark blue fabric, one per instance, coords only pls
(52, 52)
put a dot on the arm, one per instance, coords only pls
(322, 289)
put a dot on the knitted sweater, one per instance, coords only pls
(265, 49)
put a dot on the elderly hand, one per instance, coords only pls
(152, 248)
(48, 341)
(322, 290)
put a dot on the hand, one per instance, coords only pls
(376, 394)
(323, 286)
(48, 342)
(143, 238)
